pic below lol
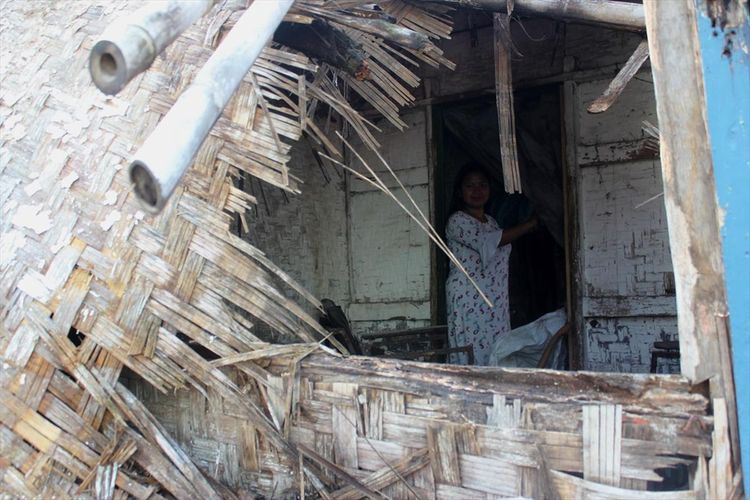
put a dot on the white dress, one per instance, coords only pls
(470, 320)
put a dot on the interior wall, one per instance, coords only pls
(628, 292)
(306, 234)
(389, 253)
(345, 240)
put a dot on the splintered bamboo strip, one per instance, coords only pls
(387, 475)
(505, 111)
(441, 443)
(568, 486)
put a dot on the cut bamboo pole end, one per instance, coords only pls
(166, 154)
(129, 45)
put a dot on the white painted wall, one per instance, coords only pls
(390, 254)
(349, 242)
(306, 235)
(628, 290)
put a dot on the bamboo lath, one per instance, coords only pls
(128, 367)
(413, 430)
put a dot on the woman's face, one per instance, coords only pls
(475, 190)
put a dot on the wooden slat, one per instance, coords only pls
(444, 459)
(602, 444)
(344, 417)
(617, 85)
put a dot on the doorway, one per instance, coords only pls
(466, 131)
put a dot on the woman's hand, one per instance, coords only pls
(534, 221)
(513, 233)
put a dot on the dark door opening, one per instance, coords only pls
(467, 131)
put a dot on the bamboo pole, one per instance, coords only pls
(616, 14)
(130, 44)
(506, 120)
(164, 157)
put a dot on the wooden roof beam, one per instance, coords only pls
(611, 13)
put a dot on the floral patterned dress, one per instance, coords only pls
(470, 320)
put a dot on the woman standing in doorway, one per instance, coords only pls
(483, 248)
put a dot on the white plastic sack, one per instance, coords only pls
(523, 346)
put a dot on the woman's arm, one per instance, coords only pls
(513, 233)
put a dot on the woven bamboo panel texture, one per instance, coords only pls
(414, 430)
(91, 287)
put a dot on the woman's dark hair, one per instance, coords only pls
(457, 200)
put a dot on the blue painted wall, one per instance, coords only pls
(727, 80)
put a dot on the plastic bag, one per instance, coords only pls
(523, 346)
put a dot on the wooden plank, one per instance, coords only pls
(720, 465)
(607, 12)
(574, 267)
(617, 85)
(374, 414)
(477, 384)
(602, 443)
(692, 209)
(344, 417)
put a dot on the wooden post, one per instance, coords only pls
(690, 199)
(573, 250)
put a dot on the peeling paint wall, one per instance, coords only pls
(347, 241)
(628, 283)
(306, 235)
(390, 254)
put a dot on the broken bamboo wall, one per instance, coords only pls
(413, 430)
(146, 294)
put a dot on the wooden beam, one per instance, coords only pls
(621, 15)
(644, 394)
(618, 84)
(690, 199)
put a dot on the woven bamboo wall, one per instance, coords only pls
(411, 430)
